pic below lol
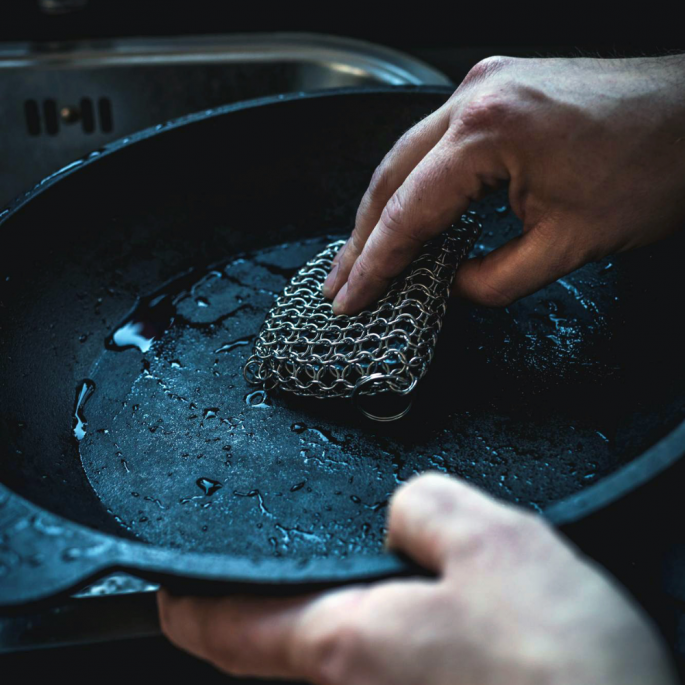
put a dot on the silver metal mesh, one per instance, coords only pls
(305, 349)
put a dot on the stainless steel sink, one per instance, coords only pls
(61, 101)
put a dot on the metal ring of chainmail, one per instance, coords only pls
(305, 349)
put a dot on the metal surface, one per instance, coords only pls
(60, 102)
(305, 349)
(565, 401)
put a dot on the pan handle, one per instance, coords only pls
(47, 558)
(44, 557)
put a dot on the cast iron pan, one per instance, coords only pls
(131, 287)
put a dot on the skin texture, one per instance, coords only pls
(512, 604)
(593, 152)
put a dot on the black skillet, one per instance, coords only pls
(131, 284)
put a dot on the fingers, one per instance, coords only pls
(390, 174)
(437, 191)
(520, 267)
(256, 636)
(350, 635)
(436, 519)
(234, 633)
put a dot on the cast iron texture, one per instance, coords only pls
(565, 401)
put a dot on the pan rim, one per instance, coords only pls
(156, 562)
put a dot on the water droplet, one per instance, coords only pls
(202, 302)
(298, 486)
(132, 334)
(61, 171)
(147, 498)
(208, 486)
(258, 398)
(238, 342)
(82, 396)
(151, 317)
(251, 493)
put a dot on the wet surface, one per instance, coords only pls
(184, 454)
(532, 402)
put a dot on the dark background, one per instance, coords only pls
(450, 36)
(552, 27)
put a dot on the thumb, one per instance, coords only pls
(436, 518)
(520, 267)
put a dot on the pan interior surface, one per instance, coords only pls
(124, 330)
(185, 454)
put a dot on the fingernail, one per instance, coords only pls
(339, 302)
(329, 283)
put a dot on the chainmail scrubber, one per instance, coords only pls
(305, 349)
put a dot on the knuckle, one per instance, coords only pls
(396, 221)
(376, 193)
(380, 180)
(487, 67)
(483, 112)
(363, 211)
(393, 215)
(356, 243)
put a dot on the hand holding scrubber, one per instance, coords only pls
(305, 349)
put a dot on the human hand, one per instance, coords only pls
(512, 604)
(593, 151)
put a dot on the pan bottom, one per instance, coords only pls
(182, 453)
